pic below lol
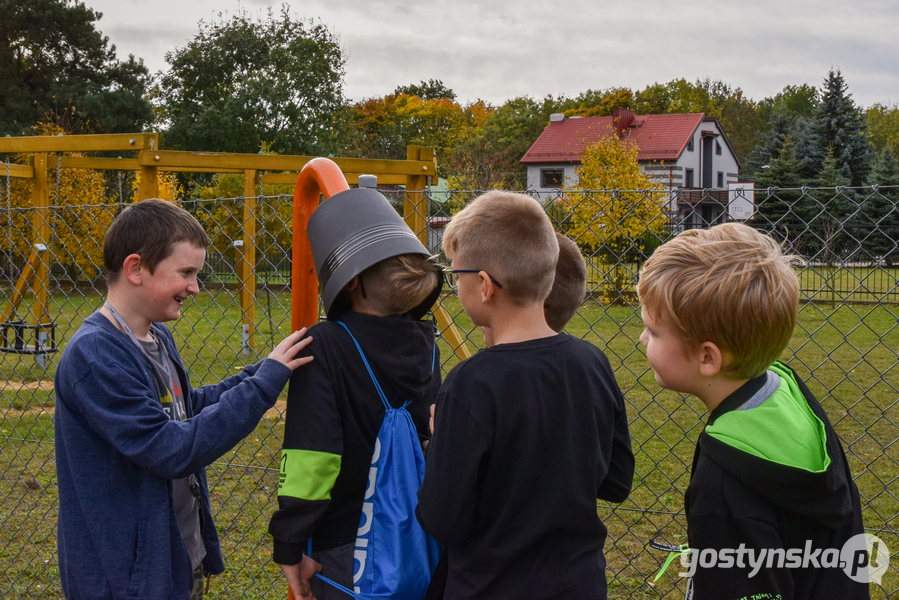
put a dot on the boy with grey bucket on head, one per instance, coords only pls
(377, 281)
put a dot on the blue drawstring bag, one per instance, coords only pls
(393, 556)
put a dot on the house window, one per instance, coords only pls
(720, 179)
(688, 177)
(690, 145)
(552, 178)
(718, 148)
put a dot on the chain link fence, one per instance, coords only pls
(845, 346)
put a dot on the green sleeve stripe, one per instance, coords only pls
(307, 474)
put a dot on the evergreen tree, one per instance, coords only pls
(56, 66)
(840, 124)
(879, 219)
(833, 208)
(782, 206)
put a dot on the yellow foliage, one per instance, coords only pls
(166, 183)
(614, 207)
(220, 210)
(78, 217)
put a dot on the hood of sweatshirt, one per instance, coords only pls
(773, 436)
(400, 350)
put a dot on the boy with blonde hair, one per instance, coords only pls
(769, 477)
(333, 412)
(529, 432)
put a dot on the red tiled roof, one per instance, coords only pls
(659, 137)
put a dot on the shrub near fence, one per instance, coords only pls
(845, 346)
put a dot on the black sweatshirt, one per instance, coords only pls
(769, 473)
(333, 418)
(528, 436)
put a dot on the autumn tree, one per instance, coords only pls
(489, 155)
(882, 124)
(388, 124)
(242, 83)
(615, 209)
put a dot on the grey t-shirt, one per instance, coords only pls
(187, 506)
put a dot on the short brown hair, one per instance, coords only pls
(730, 285)
(398, 284)
(569, 285)
(509, 236)
(149, 228)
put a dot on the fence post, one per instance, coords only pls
(246, 263)
(415, 203)
(40, 224)
(415, 212)
(149, 186)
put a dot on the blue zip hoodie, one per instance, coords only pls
(117, 452)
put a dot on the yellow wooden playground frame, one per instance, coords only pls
(148, 159)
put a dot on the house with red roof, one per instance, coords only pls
(686, 153)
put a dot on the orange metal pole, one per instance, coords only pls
(320, 176)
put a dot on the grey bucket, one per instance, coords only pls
(352, 231)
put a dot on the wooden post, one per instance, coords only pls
(415, 204)
(415, 212)
(246, 263)
(40, 224)
(147, 157)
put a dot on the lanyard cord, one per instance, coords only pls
(166, 362)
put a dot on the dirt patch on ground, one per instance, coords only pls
(274, 413)
(277, 411)
(7, 385)
(14, 386)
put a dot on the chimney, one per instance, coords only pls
(621, 120)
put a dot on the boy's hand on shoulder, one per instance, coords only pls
(286, 352)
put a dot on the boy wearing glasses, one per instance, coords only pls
(529, 432)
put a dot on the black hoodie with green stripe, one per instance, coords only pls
(769, 473)
(333, 418)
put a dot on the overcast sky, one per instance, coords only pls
(500, 49)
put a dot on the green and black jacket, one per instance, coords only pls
(769, 472)
(333, 418)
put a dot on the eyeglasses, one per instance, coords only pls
(453, 282)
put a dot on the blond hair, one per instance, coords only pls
(569, 285)
(398, 284)
(509, 236)
(730, 285)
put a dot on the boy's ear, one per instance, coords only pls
(352, 285)
(711, 359)
(488, 288)
(131, 269)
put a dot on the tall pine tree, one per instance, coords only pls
(840, 124)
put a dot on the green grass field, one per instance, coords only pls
(847, 353)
